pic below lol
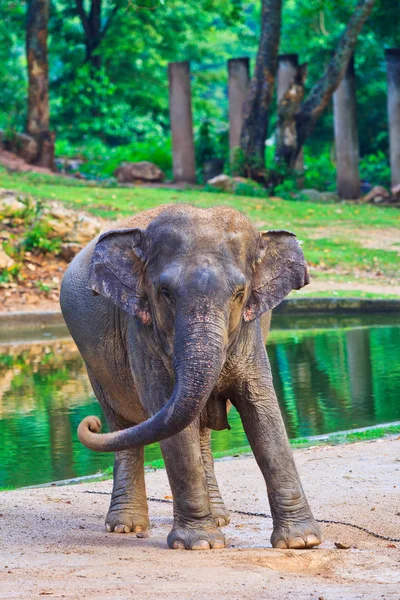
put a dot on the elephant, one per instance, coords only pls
(170, 310)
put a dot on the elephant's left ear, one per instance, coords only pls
(279, 267)
(116, 271)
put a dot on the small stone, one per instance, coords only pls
(129, 172)
(69, 250)
(342, 546)
(5, 261)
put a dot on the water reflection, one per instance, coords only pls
(326, 379)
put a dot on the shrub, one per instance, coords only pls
(37, 238)
(375, 169)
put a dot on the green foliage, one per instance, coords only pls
(251, 189)
(211, 142)
(42, 286)
(375, 169)
(37, 238)
(10, 274)
(102, 160)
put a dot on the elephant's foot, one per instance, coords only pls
(220, 514)
(196, 537)
(126, 521)
(303, 534)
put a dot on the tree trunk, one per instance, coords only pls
(38, 87)
(290, 96)
(320, 95)
(91, 24)
(93, 31)
(258, 100)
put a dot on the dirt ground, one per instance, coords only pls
(52, 540)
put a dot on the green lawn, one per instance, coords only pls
(329, 233)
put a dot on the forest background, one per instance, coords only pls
(109, 86)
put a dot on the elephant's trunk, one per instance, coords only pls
(199, 353)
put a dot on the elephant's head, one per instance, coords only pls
(196, 277)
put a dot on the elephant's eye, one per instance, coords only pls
(166, 294)
(239, 295)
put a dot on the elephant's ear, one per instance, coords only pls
(279, 267)
(116, 271)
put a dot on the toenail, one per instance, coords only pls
(218, 544)
(313, 540)
(108, 528)
(281, 545)
(178, 545)
(296, 542)
(201, 545)
(121, 528)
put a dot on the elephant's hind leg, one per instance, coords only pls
(128, 510)
(218, 509)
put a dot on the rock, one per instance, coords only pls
(229, 184)
(22, 145)
(221, 182)
(10, 206)
(129, 172)
(69, 250)
(5, 261)
(72, 226)
(317, 196)
(377, 195)
(85, 229)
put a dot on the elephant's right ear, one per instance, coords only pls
(116, 271)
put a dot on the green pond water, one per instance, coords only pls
(330, 374)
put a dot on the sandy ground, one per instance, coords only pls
(52, 541)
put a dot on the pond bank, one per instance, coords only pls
(56, 546)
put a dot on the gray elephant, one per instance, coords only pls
(170, 310)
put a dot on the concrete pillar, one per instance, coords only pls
(346, 135)
(393, 74)
(288, 65)
(287, 69)
(238, 81)
(180, 112)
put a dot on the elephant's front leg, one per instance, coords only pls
(194, 527)
(218, 509)
(128, 508)
(294, 524)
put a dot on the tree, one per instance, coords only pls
(38, 85)
(301, 117)
(93, 27)
(295, 118)
(258, 100)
